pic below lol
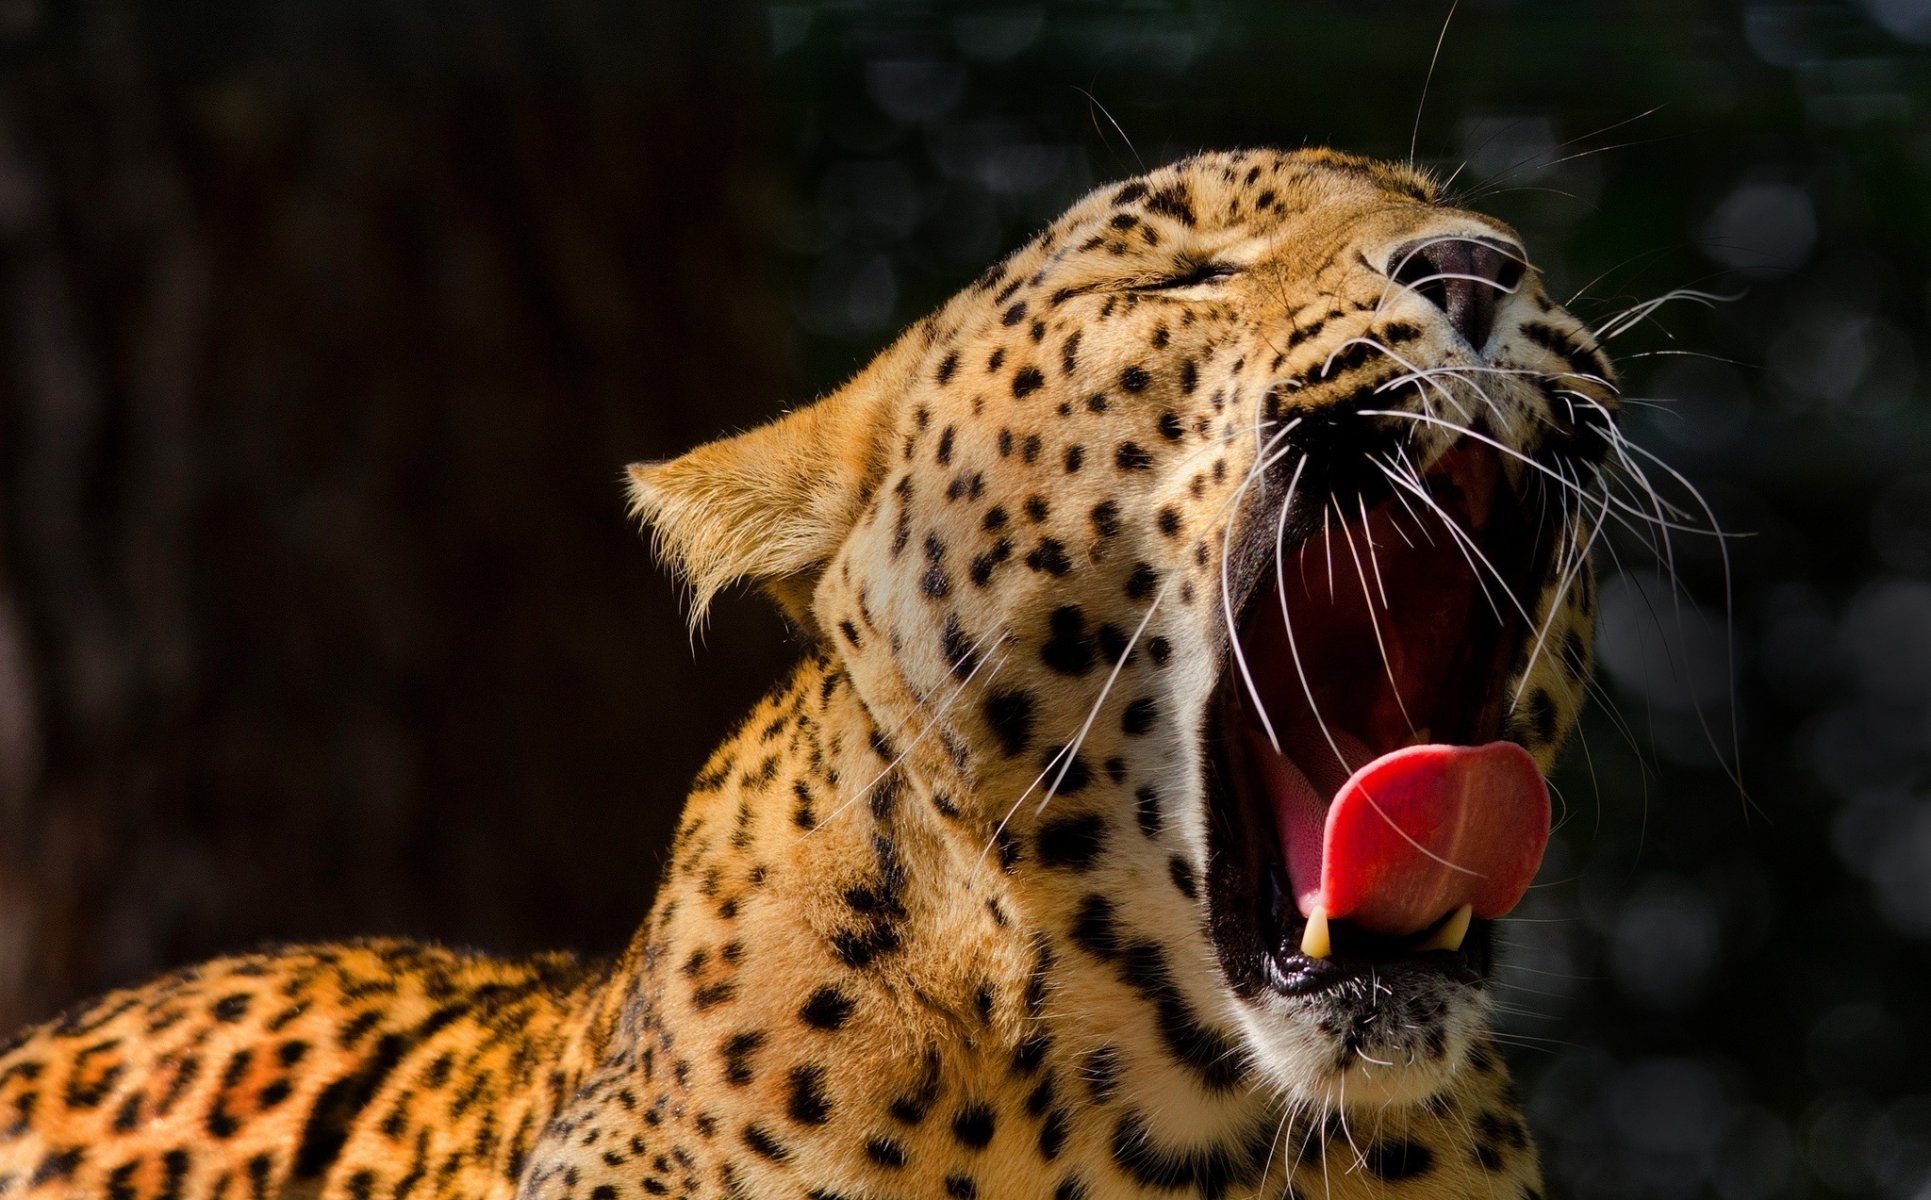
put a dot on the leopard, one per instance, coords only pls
(1155, 593)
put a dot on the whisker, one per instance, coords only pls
(1462, 541)
(997, 636)
(1226, 588)
(1374, 623)
(1414, 137)
(1467, 432)
(1626, 320)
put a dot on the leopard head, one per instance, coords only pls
(1220, 558)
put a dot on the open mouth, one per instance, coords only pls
(1368, 812)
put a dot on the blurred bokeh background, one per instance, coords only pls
(325, 328)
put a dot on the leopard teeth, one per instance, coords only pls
(1452, 931)
(1314, 939)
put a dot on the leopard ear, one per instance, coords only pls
(770, 506)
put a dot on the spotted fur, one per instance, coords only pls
(917, 935)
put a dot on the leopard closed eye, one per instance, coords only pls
(1195, 602)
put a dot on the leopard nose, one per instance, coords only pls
(1464, 277)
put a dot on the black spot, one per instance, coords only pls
(1160, 651)
(1147, 811)
(1102, 1070)
(945, 446)
(1075, 458)
(1174, 201)
(1106, 518)
(85, 1089)
(737, 1051)
(1134, 379)
(1093, 929)
(972, 1126)
(910, 1109)
(1140, 584)
(1067, 649)
(1008, 846)
(1040, 1098)
(1029, 1054)
(1009, 714)
(230, 1009)
(1049, 556)
(1131, 457)
(1026, 381)
(1169, 520)
(1182, 872)
(983, 564)
(1542, 716)
(761, 1141)
(947, 367)
(828, 1008)
(1069, 354)
(1580, 358)
(885, 1152)
(1393, 1161)
(958, 652)
(859, 947)
(1170, 426)
(1070, 1188)
(1139, 716)
(57, 1165)
(1052, 1135)
(1071, 843)
(808, 1104)
(1575, 655)
(1036, 509)
(1073, 774)
(1014, 315)
(960, 1187)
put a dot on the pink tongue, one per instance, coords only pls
(1414, 835)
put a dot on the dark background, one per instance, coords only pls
(325, 329)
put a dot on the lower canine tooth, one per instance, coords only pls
(1314, 940)
(1453, 930)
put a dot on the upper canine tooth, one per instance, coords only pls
(1314, 939)
(1452, 932)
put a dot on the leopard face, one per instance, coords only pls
(1260, 450)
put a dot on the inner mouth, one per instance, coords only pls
(1367, 809)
